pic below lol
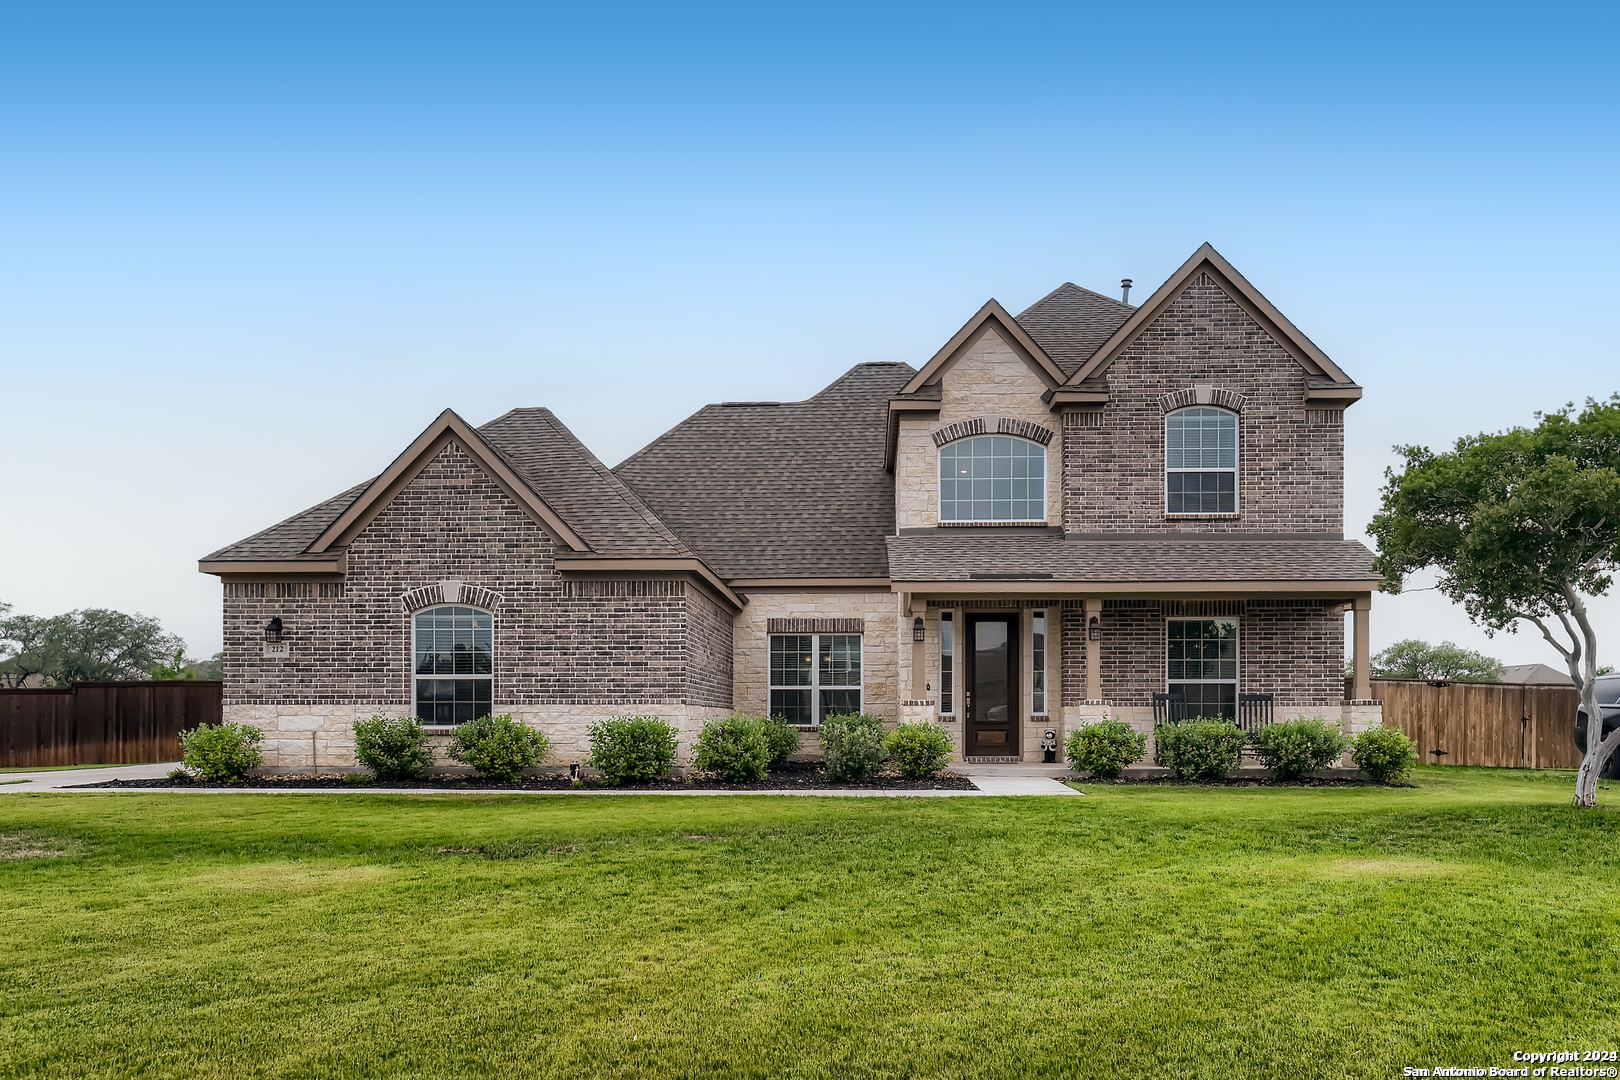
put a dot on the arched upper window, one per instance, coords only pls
(1200, 462)
(454, 670)
(992, 478)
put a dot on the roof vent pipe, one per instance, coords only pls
(1125, 288)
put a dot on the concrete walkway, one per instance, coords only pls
(989, 779)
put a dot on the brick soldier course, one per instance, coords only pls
(659, 586)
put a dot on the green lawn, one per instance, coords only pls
(1137, 931)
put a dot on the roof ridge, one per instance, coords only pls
(1077, 288)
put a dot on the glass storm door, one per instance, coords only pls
(992, 685)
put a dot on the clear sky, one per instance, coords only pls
(247, 252)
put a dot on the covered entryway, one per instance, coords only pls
(991, 685)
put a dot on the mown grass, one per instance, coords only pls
(1137, 931)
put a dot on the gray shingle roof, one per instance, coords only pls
(607, 515)
(1071, 323)
(951, 555)
(795, 489)
(288, 539)
(555, 464)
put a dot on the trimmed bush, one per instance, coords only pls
(632, 749)
(737, 747)
(784, 740)
(1199, 749)
(919, 749)
(1104, 749)
(851, 745)
(498, 746)
(1384, 754)
(222, 751)
(1296, 747)
(392, 747)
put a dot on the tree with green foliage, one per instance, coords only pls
(1417, 659)
(92, 645)
(1523, 526)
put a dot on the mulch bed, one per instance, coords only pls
(794, 776)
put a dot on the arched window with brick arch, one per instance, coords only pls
(453, 668)
(992, 478)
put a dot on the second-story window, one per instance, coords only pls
(992, 478)
(1200, 462)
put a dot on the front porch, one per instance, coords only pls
(1011, 674)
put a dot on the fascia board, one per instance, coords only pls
(338, 565)
(1325, 589)
(1333, 393)
(422, 450)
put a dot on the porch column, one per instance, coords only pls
(919, 650)
(1362, 606)
(1093, 650)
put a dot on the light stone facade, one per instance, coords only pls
(989, 379)
(880, 644)
(300, 737)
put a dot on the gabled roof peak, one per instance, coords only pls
(1206, 260)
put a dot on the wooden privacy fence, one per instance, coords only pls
(103, 723)
(1502, 725)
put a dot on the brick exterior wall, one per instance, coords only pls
(565, 651)
(1290, 472)
(1294, 650)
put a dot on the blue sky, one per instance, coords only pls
(246, 254)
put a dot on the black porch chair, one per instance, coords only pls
(1169, 708)
(1254, 712)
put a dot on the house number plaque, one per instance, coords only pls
(283, 649)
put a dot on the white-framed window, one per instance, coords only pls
(814, 676)
(453, 669)
(1200, 461)
(947, 663)
(992, 478)
(1037, 663)
(1202, 665)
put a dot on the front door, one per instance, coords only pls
(992, 685)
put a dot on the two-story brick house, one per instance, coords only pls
(1077, 511)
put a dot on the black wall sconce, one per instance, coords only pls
(917, 629)
(272, 630)
(1094, 629)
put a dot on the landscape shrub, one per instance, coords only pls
(851, 745)
(222, 751)
(1296, 747)
(630, 749)
(737, 747)
(498, 746)
(1104, 749)
(784, 740)
(392, 747)
(919, 749)
(1384, 754)
(1198, 749)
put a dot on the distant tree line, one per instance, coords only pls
(92, 645)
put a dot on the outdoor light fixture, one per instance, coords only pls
(272, 630)
(1094, 629)
(917, 629)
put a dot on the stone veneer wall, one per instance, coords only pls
(990, 379)
(566, 652)
(880, 645)
(1291, 459)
